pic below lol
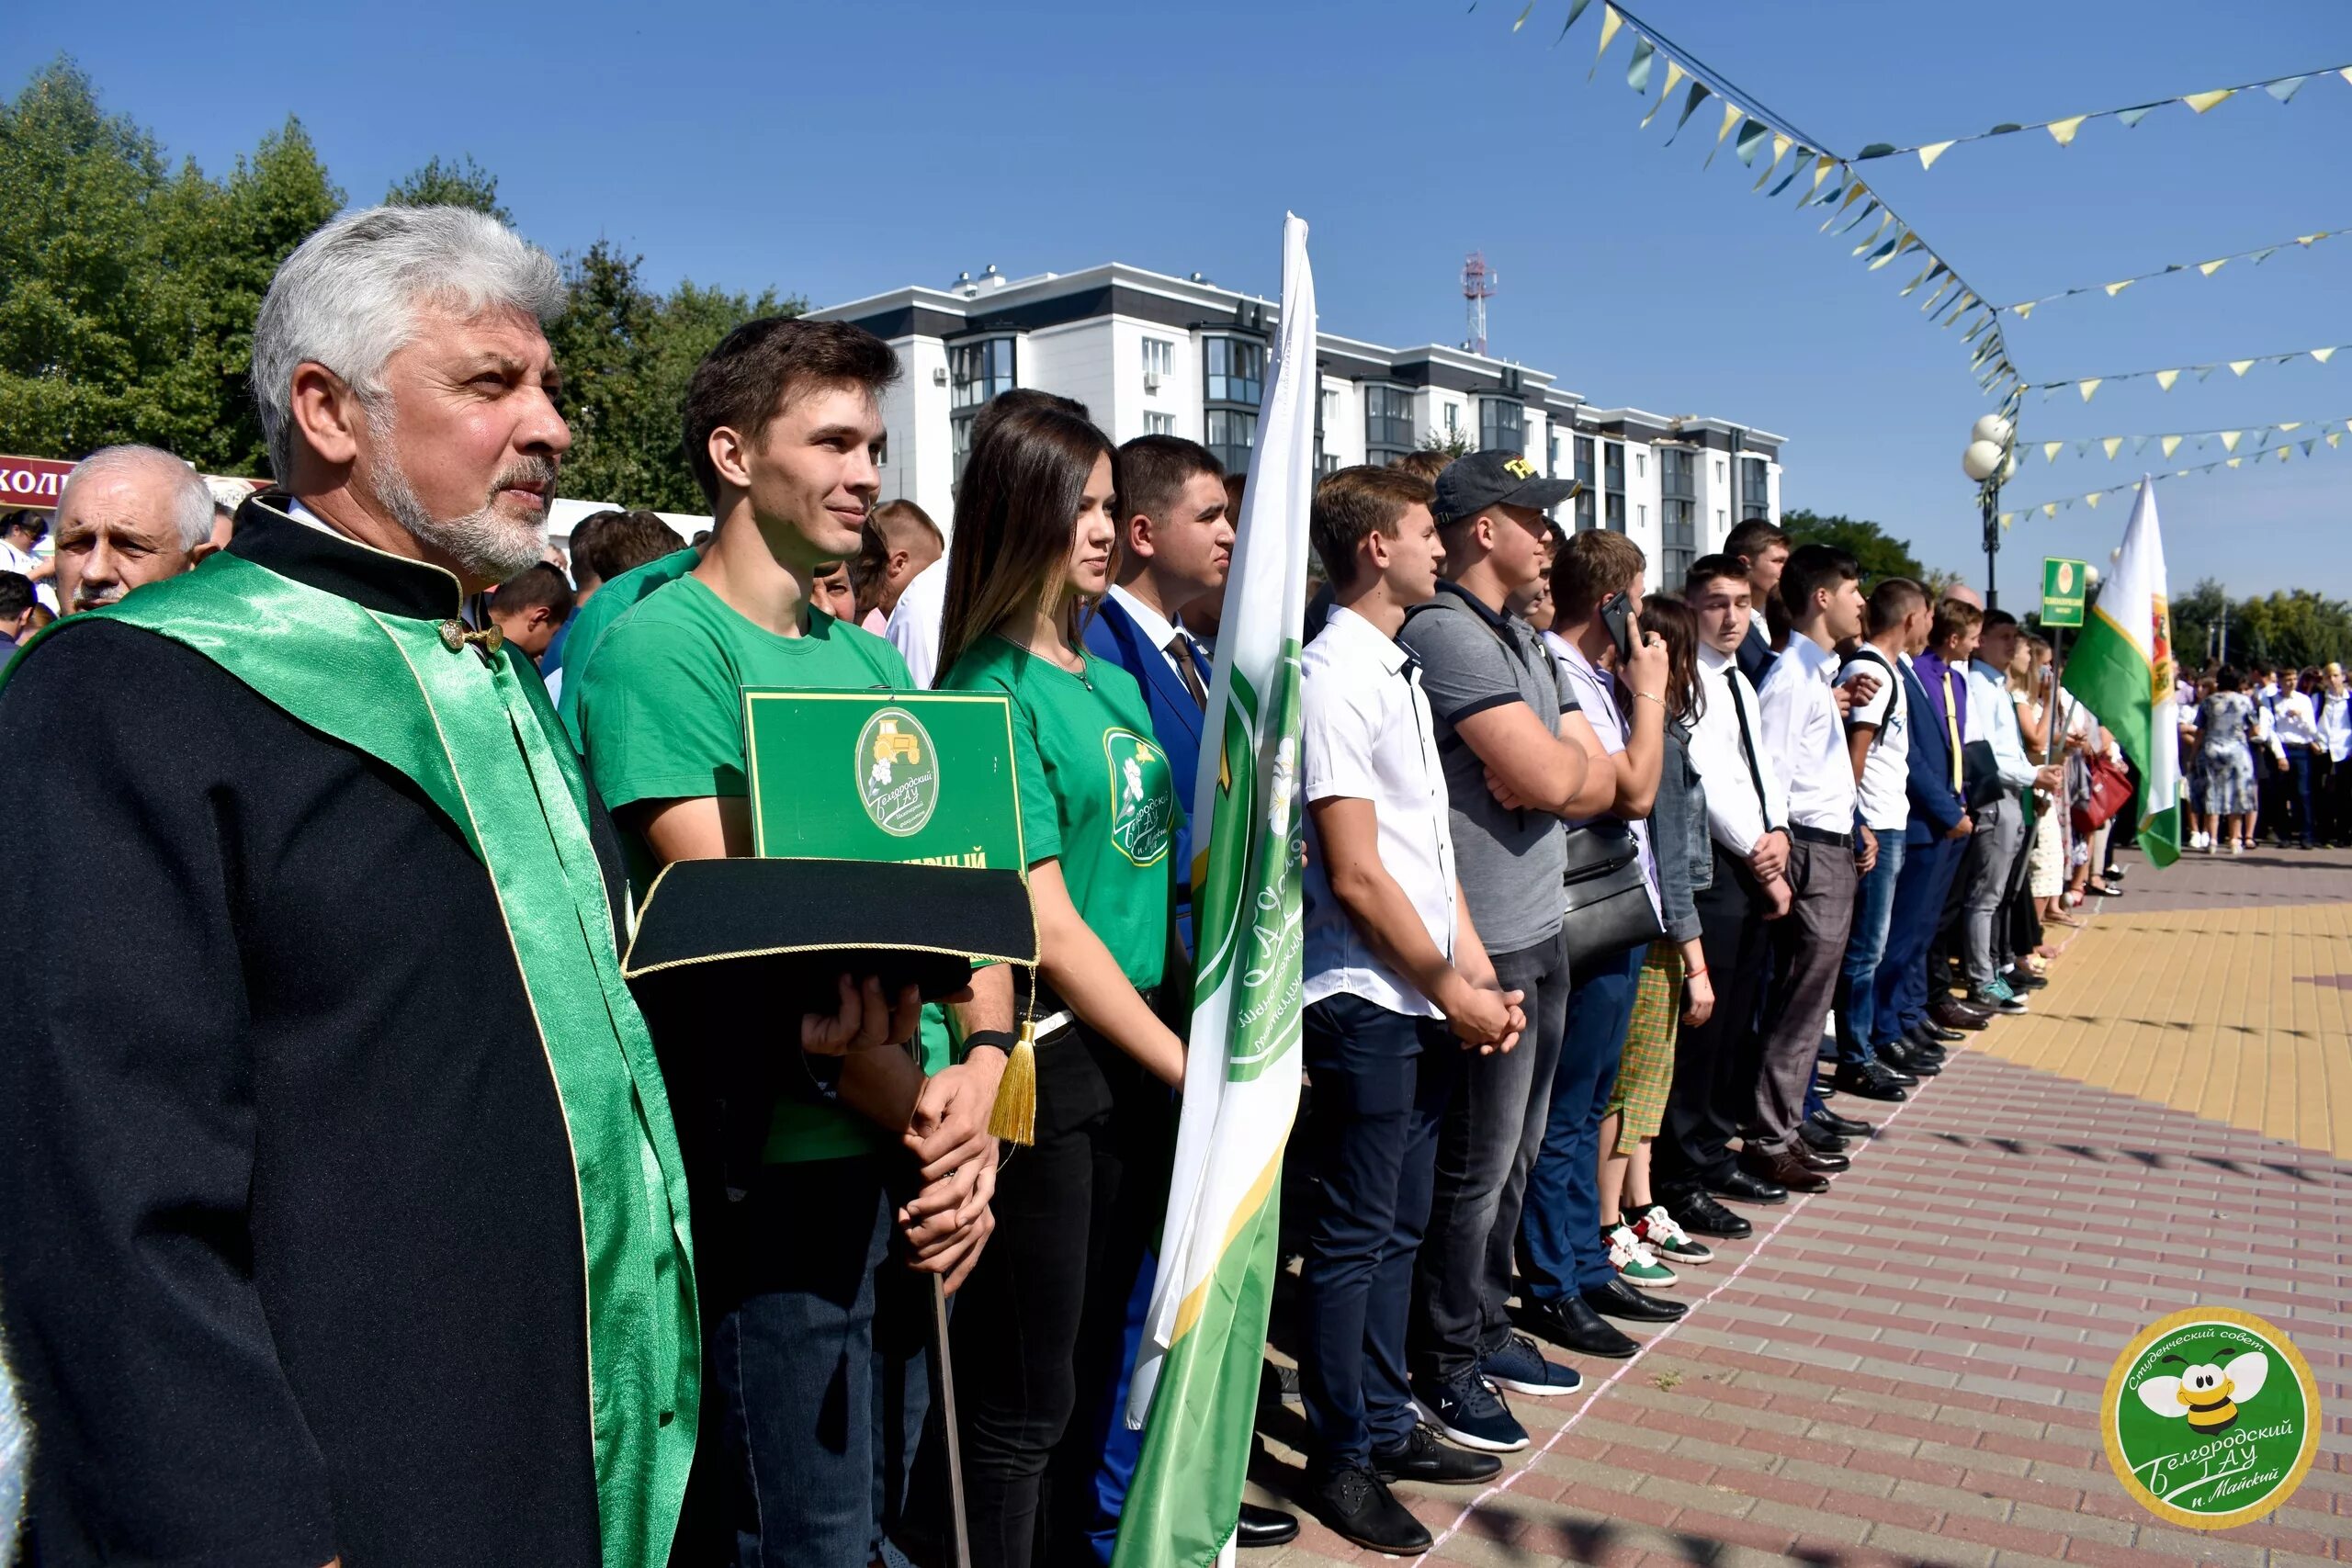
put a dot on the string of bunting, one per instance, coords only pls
(2092, 498)
(2089, 385)
(2024, 309)
(1823, 178)
(2170, 442)
(2063, 131)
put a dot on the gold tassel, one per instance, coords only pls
(1014, 1116)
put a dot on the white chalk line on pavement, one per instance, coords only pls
(1594, 1396)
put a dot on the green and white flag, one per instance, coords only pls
(1196, 1377)
(2122, 670)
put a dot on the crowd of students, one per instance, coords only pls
(1601, 875)
(2266, 745)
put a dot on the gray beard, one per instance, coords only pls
(484, 543)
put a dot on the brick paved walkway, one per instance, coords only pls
(1907, 1370)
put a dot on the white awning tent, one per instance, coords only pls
(565, 516)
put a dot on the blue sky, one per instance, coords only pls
(839, 150)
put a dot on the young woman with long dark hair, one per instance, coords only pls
(1038, 1325)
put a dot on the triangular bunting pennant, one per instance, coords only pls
(2229, 439)
(2139, 444)
(2289, 424)
(1884, 219)
(1933, 151)
(2240, 366)
(2025, 311)
(2133, 116)
(1609, 22)
(2286, 87)
(2165, 378)
(1795, 168)
(2322, 355)
(2233, 462)
(1855, 191)
(2115, 288)
(1525, 12)
(2261, 257)
(1864, 216)
(1576, 9)
(1752, 135)
(1821, 172)
(2334, 437)
(1674, 75)
(2007, 518)
(2082, 448)
(2063, 130)
(1731, 115)
(2091, 499)
(2200, 102)
(2113, 443)
(1699, 94)
(2307, 446)
(2050, 509)
(1638, 70)
(2088, 386)
(2211, 267)
(2049, 450)
(2170, 444)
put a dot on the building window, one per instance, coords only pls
(1641, 465)
(1388, 423)
(1678, 490)
(1327, 463)
(1502, 425)
(1615, 516)
(1452, 420)
(976, 372)
(1588, 502)
(1158, 424)
(1232, 434)
(1159, 362)
(1755, 489)
(1719, 471)
(1613, 471)
(1236, 370)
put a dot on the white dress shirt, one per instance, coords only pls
(2336, 722)
(1596, 693)
(1805, 738)
(1745, 797)
(1156, 627)
(914, 623)
(22, 562)
(1365, 733)
(2298, 725)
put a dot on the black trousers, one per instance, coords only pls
(1039, 1325)
(1708, 1101)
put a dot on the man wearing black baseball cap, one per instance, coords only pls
(1515, 764)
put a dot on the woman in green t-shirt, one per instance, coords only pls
(1037, 1326)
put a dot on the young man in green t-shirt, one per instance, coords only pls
(781, 424)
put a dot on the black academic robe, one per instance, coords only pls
(290, 1248)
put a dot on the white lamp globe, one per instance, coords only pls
(1982, 460)
(2009, 468)
(1992, 428)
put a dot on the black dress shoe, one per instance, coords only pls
(1572, 1325)
(1267, 1526)
(1935, 1033)
(1910, 1062)
(1829, 1162)
(1428, 1459)
(1701, 1215)
(1742, 1187)
(1781, 1168)
(2022, 979)
(1844, 1126)
(1356, 1505)
(1618, 1299)
(1958, 1015)
(1874, 1081)
(1820, 1139)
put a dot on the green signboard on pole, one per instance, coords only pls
(2063, 585)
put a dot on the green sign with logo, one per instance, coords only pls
(922, 778)
(2064, 583)
(2212, 1418)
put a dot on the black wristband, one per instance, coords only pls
(999, 1039)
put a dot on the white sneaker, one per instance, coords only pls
(1636, 1263)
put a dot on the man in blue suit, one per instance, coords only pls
(1175, 543)
(1932, 843)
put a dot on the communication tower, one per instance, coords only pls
(1479, 283)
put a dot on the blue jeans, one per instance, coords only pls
(1372, 1158)
(1925, 882)
(819, 1363)
(1857, 982)
(1560, 1250)
(2297, 790)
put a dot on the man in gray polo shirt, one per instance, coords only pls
(1504, 732)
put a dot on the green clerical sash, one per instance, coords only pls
(482, 742)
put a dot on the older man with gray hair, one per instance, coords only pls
(127, 516)
(346, 1220)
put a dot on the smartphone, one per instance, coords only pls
(1613, 613)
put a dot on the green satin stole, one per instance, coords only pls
(482, 742)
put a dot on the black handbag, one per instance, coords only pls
(1608, 907)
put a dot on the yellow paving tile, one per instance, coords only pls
(2213, 1011)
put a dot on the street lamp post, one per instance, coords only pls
(1990, 459)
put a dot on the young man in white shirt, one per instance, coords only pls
(1394, 971)
(1747, 813)
(1997, 851)
(1828, 848)
(1878, 742)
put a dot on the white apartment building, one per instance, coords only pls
(1146, 353)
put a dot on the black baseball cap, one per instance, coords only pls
(1469, 485)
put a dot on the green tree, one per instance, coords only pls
(2297, 629)
(463, 183)
(1452, 443)
(1881, 556)
(127, 289)
(627, 355)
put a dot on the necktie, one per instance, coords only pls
(1951, 728)
(1180, 648)
(1747, 748)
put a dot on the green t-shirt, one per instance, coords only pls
(593, 619)
(661, 709)
(1096, 792)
